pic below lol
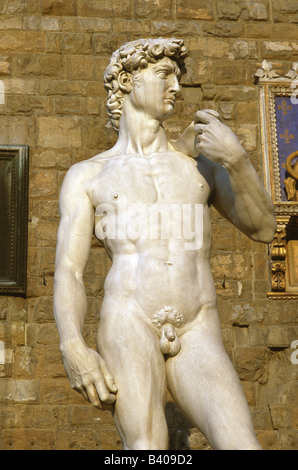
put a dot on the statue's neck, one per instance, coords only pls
(140, 134)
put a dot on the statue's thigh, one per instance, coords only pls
(205, 385)
(131, 350)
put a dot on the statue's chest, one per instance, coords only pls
(165, 178)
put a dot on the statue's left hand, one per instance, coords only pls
(215, 140)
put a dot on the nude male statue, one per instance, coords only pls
(159, 326)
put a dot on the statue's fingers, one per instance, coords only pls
(103, 392)
(109, 379)
(93, 396)
(206, 116)
(199, 128)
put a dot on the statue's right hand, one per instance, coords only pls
(88, 373)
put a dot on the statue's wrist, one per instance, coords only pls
(70, 343)
(235, 160)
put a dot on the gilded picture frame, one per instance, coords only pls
(278, 100)
(14, 165)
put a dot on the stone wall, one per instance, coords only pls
(52, 57)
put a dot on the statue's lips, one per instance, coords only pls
(170, 101)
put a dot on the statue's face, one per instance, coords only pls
(155, 89)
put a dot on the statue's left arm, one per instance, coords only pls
(238, 192)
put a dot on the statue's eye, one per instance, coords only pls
(162, 73)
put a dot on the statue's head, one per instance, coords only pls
(132, 58)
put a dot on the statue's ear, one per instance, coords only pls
(125, 81)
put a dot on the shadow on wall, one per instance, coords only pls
(182, 435)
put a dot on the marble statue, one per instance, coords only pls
(159, 327)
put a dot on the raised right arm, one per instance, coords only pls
(85, 369)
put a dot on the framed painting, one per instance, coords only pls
(279, 126)
(13, 219)
(278, 99)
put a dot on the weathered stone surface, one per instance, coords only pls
(234, 10)
(195, 9)
(105, 8)
(28, 439)
(5, 65)
(17, 6)
(38, 65)
(252, 364)
(22, 41)
(285, 11)
(19, 391)
(59, 7)
(44, 183)
(16, 130)
(59, 132)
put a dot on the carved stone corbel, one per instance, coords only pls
(278, 256)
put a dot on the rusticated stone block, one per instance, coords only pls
(279, 50)
(289, 439)
(223, 29)
(178, 28)
(41, 310)
(49, 86)
(5, 65)
(228, 73)
(19, 391)
(250, 393)
(17, 6)
(105, 8)
(284, 32)
(89, 417)
(54, 392)
(59, 7)
(88, 25)
(19, 86)
(76, 43)
(53, 363)
(281, 417)
(239, 9)
(95, 135)
(25, 363)
(11, 22)
(252, 364)
(27, 41)
(50, 159)
(269, 439)
(43, 183)
(278, 337)
(207, 47)
(27, 105)
(154, 9)
(285, 11)
(87, 439)
(79, 67)
(38, 65)
(195, 9)
(45, 417)
(59, 132)
(28, 439)
(16, 130)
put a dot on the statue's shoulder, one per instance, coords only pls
(85, 169)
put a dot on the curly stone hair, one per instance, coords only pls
(134, 56)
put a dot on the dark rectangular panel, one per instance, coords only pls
(13, 219)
